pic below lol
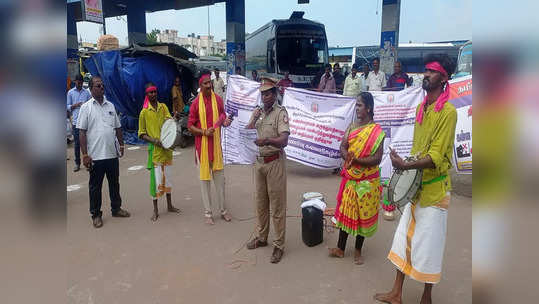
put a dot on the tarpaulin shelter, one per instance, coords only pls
(125, 73)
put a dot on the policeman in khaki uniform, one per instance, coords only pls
(272, 128)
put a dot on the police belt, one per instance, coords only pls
(268, 159)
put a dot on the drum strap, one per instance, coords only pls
(434, 180)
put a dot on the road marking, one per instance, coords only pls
(176, 153)
(135, 168)
(133, 148)
(125, 286)
(73, 188)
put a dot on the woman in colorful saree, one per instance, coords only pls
(360, 190)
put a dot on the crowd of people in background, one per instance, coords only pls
(331, 79)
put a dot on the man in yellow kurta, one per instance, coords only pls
(419, 241)
(151, 120)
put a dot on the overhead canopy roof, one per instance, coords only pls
(113, 8)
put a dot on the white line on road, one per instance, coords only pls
(135, 168)
(73, 188)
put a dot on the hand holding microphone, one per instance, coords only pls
(257, 112)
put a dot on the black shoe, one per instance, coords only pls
(98, 222)
(277, 255)
(77, 168)
(120, 213)
(255, 243)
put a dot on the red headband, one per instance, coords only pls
(151, 88)
(146, 100)
(436, 66)
(444, 96)
(202, 78)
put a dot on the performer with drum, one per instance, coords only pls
(419, 241)
(359, 194)
(206, 116)
(151, 119)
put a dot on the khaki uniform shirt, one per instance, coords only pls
(272, 124)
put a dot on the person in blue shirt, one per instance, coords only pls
(76, 97)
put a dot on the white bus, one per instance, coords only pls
(296, 45)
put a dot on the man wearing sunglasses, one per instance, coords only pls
(101, 143)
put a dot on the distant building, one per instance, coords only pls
(200, 45)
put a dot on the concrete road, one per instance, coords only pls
(179, 259)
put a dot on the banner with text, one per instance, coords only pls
(461, 98)
(318, 122)
(395, 112)
(242, 96)
(317, 125)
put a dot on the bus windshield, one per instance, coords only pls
(301, 55)
(464, 66)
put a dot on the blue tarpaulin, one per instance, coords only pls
(125, 76)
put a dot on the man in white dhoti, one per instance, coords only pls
(418, 244)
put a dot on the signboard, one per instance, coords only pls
(92, 11)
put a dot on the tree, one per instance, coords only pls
(151, 38)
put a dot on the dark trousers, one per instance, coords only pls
(77, 145)
(100, 168)
(343, 236)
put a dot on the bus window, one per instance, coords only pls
(464, 65)
(301, 56)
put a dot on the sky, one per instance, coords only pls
(347, 22)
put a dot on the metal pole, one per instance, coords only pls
(389, 40)
(208, 46)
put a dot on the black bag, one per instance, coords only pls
(312, 226)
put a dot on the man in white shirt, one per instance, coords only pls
(353, 83)
(376, 79)
(218, 84)
(364, 76)
(101, 143)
